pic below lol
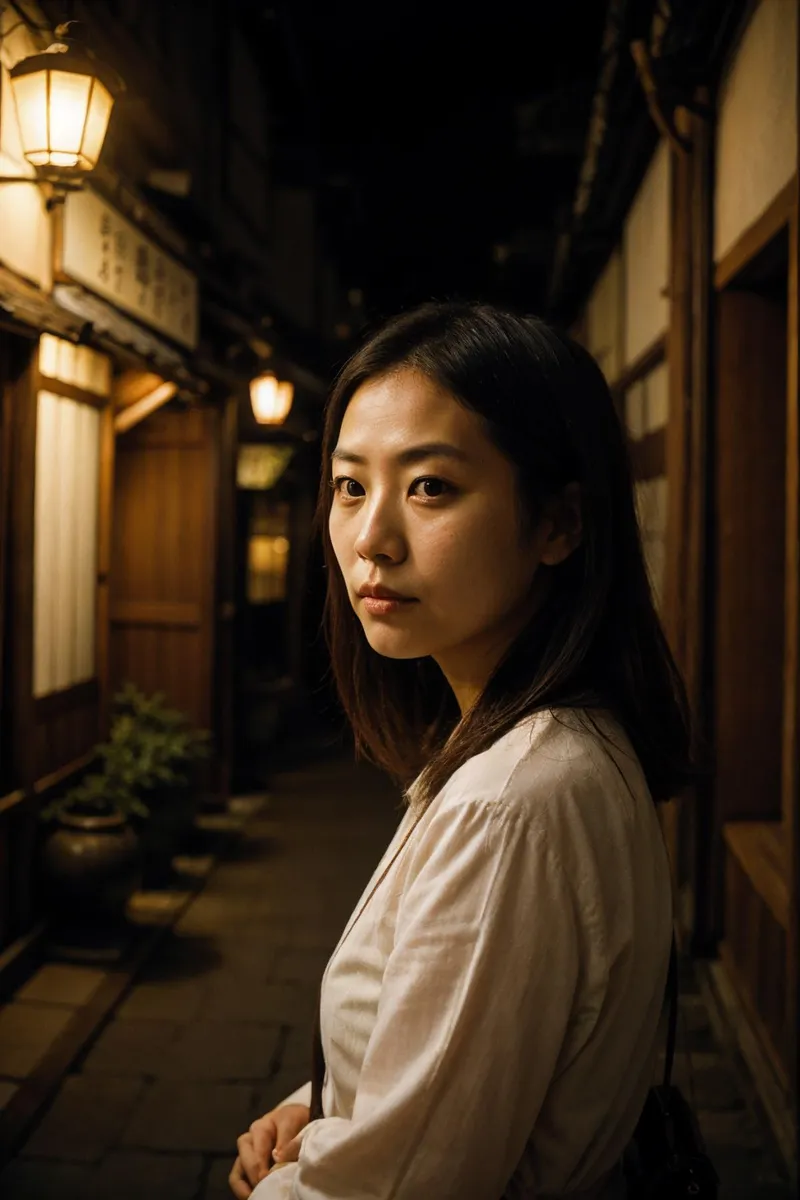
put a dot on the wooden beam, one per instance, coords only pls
(757, 236)
(131, 386)
(70, 392)
(66, 774)
(651, 357)
(144, 407)
(663, 120)
(10, 802)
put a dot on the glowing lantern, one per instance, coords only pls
(64, 99)
(271, 399)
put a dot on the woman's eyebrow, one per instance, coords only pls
(405, 458)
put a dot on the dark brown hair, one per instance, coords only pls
(596, 642)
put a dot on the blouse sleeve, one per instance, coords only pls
(475, 1001)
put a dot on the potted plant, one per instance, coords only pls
(166, 749)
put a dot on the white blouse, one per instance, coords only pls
(490, 1019)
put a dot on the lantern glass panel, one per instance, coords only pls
(100, 105)
(30, 94)
(69, 102)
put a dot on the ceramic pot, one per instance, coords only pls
(91, 866)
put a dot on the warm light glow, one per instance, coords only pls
(260, 467)
(271, 399)
(148, 404)
(267, 564)
(79, 366)
(63, 110)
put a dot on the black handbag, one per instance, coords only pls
(666, 1158)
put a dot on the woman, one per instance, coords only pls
(489, 1018)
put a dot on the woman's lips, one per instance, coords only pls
(380, 606)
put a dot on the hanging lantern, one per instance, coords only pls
(64, 98)
(271, 398)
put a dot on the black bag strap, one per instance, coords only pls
(317, 1070)
(672, 1016)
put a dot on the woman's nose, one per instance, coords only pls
(380, 535)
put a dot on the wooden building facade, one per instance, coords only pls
(125, 331)
(695, 322)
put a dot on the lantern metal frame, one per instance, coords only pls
(73, 59)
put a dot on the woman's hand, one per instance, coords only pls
(277, 1131)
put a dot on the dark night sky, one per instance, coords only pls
(443, 129)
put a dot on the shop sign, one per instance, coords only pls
(107, 254)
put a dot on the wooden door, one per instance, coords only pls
(750, 549)
(164, 559)
(749, 849)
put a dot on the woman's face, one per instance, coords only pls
(426, 506)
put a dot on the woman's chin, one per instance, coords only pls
(394, 643)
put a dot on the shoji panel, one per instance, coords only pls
(604, 319)
(65, 541)
(646, 242)
(757, 122)
(79, 366)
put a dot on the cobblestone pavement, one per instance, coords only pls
(218, 1028)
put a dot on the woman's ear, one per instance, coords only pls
(563, 514)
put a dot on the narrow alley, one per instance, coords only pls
(217, 1029)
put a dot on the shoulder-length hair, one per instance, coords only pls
(596, 642)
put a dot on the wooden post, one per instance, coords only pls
(791, 722)
(679, 337)
(226, 594)
(21, 549)
(104, 580)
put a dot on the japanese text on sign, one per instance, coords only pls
(109, 255)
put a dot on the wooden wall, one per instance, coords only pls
(756, 143)
(48, 738)
(730, 451)
(163, 571)
(754, 572)
(645, 253)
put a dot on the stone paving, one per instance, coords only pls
(218, 1028)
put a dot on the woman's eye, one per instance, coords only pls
(427, 488)
(344, 485)
(431, 487)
